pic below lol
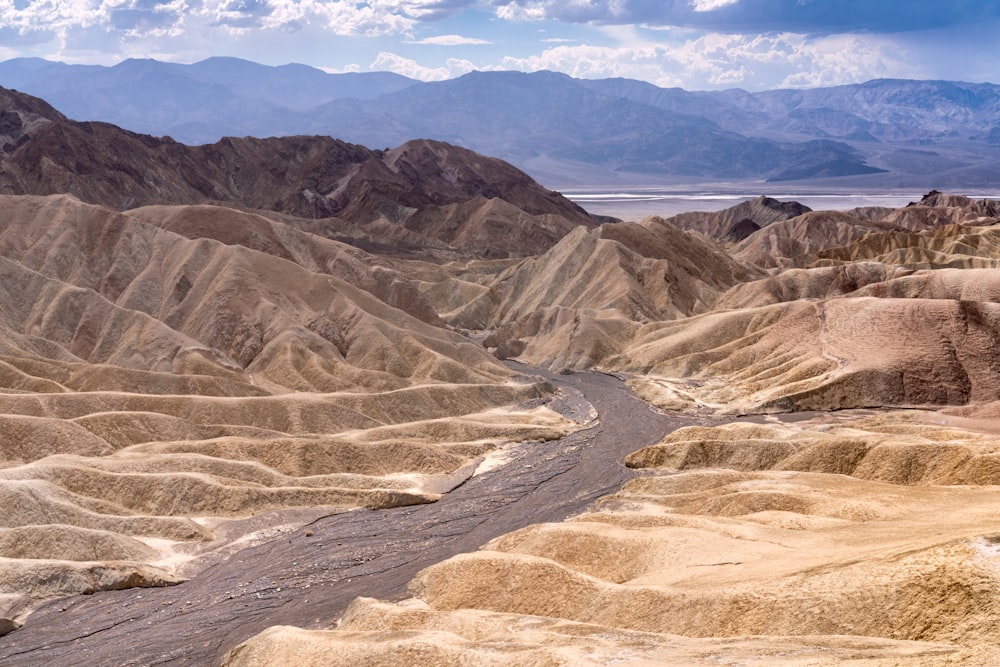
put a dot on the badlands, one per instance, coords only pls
(295, 401)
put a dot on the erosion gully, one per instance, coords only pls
(308, 577)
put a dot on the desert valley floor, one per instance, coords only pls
(298, 402)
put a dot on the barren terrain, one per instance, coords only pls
(293, 401)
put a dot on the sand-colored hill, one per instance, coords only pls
(271, 319)
(796, 241)
(177, 367)
(230, 340)
(153, 506)
(577, 304)
(773, 234)
(289, 239)
(162, 471)
(820, 554)
(822, 355)
(817, 283)
(949, 246)
(937, 209)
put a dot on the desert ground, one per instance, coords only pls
(293, 401)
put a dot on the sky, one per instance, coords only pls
(693, 44)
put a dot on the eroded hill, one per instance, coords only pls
(416, 196)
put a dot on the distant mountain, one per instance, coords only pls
(197, 103)
(409, 193)
(560, 129)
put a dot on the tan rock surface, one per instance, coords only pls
(178, 382)
(834, 354)
(154, 384)
(578, 303)
(949, 246)
(794, 242)
(799, 553)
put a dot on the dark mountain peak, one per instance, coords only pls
(763, 205)
(461, 174)
(728, 223)
(22, 114)
(13, 101)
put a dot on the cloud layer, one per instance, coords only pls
(691, 43)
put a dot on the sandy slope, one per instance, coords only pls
(153, 384)
(813, 555)
(845, 539)
(823, 355)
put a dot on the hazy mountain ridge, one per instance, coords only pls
(549, 122)
(198, 103)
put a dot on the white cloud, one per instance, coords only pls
(516, 12)
(718, 60)
(341, 17)
(597, 41)
(452, 40)
(841, 59)
(710, 5)
(392, 62)
(347, 69)
(54, 14)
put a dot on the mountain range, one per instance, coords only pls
(562, 130)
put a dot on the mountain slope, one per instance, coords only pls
(314, 177)
(148, 377)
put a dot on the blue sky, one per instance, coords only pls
(695, 44)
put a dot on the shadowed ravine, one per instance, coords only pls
(308, 577)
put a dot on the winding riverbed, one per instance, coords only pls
(308, 577)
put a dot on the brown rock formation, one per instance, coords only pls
(311, 177)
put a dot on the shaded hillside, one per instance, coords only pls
(579, 303)
(313, 177)
(178, 362)
(729, 224)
